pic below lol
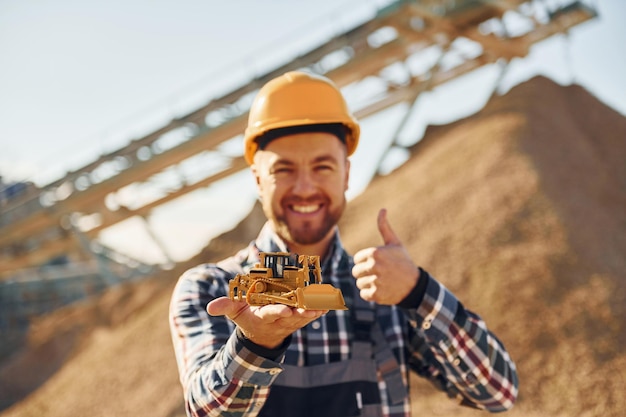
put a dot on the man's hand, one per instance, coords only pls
(266, 326)
(385, 274)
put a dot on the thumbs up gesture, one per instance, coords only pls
(385, 274)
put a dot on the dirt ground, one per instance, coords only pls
(519, 210)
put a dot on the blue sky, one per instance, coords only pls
(79, 78)
(76, 74)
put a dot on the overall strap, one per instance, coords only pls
(367, 333)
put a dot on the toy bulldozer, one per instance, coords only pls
(285, 278)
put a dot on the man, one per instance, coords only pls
(274, 360)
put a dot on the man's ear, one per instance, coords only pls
(255, 172)
(347, 174)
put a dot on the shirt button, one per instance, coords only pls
(316, 325)
(471, 379)
(273, 371)
(426, 324)
(456, 362)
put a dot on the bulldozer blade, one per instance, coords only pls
(320, 297)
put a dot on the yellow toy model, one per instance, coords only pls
(286, 278)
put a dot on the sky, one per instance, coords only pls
(81, 77)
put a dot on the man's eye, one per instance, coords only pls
(324, 168)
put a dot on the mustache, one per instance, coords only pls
(315, 199)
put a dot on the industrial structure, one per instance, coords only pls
(46, 229)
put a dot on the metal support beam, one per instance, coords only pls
(414, 25)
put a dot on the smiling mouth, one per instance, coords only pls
(306, 209)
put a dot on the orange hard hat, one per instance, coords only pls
(298, 99)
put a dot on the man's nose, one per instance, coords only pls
(304, 184)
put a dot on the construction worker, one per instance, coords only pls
(275, 360)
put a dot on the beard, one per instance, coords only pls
(305, 232)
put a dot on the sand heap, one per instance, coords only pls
(519, 209)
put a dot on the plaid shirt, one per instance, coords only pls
(439, 339)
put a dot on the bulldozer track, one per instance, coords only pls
(269, 281)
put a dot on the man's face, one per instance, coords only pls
(302, 180)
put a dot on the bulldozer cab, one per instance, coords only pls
(278, 262)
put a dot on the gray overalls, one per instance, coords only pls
(345, 388)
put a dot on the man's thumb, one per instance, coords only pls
(387, 233)
(223, 306)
